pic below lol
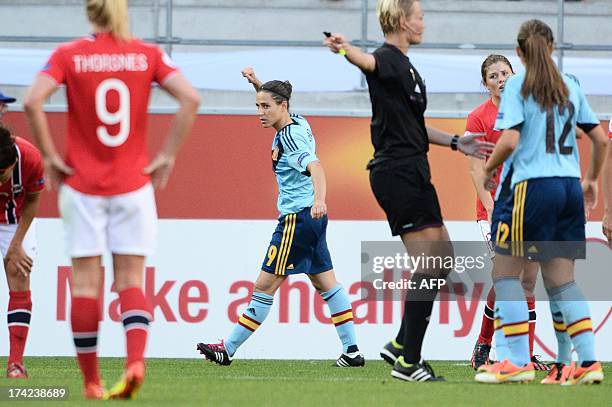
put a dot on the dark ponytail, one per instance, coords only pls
(279, 90)
(543, 81)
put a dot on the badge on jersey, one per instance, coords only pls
(166, 60)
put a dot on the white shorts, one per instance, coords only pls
(29, 241)
(121, 224)
(485, 232)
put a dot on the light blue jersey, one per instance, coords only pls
(547, 146)
(293, 149)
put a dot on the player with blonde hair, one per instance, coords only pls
(106, 180)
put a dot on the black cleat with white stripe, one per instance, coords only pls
(390, 353)
(355, 359)
(416, 372)
(215, 352)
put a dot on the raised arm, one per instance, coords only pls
(249, 74)
(337, 43)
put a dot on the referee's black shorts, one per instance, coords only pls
(404, 191)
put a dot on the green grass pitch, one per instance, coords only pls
(181, 382)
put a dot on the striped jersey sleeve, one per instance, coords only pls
(299, 146)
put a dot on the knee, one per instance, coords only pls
(17, 281)
(317, 285)
(258, 287)
(86, 285)
(528, 285)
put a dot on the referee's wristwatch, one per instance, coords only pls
(454, 145)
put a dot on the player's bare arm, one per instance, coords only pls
(598, 156)
(188, 98)
(42, 88)
(317, 174)
(16, 258)
(477, 172)
(250, 76)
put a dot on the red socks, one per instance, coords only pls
(487, 329)
(84, 318)
(532, 323)
(135, 315)
(18, 318)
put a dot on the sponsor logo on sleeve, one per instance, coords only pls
(301, 158)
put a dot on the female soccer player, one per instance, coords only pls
(399, 172)
(299, 242)
(106, 182)
(495, 70)
(544, 215)
(21, 180)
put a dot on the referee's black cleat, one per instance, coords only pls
(415, 372)
(355, 359)
(215, 352)
(391, 351)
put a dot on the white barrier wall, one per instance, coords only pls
(199, 283)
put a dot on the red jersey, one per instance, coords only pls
(28, 177)
(482, 120)
(108, 83)
(610, 129)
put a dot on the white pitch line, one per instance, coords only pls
(301, 379)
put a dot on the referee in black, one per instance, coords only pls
(399, 173)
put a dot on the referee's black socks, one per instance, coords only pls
(417, 311)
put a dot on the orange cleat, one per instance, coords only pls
(130, 383)
(586, 375)
(505, 372)
(559, 373)
(93, 391)
(16, 371)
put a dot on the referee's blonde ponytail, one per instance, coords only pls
(111, 15)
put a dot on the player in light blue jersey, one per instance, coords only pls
(299, 243)
(543, 217)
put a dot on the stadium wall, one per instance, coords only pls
(217, 217)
